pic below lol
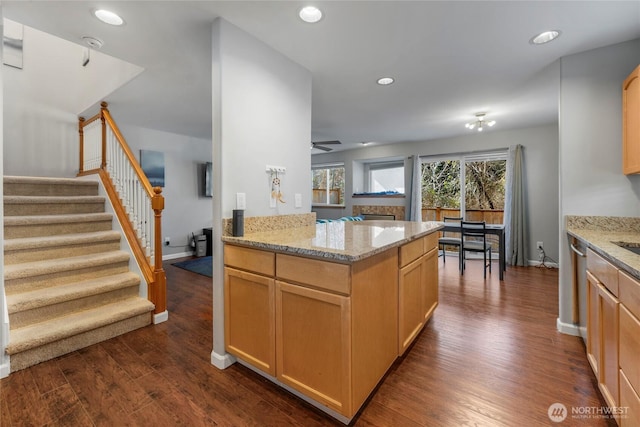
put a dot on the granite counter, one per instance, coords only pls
(602, 233)
(338, 241)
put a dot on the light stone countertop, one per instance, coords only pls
(600, 235)
(340, 241)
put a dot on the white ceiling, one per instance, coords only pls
(450, 59)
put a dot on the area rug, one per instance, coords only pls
(202, 265)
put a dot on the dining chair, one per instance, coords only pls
(445, 241)
(474, 239)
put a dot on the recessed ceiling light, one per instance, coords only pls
(310, 14)
(365, 143)
(545, 37)
(108, 17)
(385, 81)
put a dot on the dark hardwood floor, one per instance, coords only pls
(490, 356)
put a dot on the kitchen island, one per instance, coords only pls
(325, 310)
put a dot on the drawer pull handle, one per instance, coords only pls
(574, 249)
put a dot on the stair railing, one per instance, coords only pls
(138, 206)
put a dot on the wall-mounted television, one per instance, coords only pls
(208, 179)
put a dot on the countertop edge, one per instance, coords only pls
(326, 254)
(621, 264)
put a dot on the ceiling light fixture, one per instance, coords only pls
(365, 143)
(479, 123)
(384, 81)
(108, 17)
(545, 37)
(92, 42)
(310, 14)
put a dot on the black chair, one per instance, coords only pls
(474, 239)
(445, 241)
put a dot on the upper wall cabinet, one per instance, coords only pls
(631, 123)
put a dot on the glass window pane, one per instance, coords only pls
(387, 179)
(484, 190)
(440, 189)
(328, 186)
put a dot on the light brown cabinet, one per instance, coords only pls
(593, 324)
(631, 123)
(250, 306)
(417, 288)
(629, 323)
(328, 330)
(602, 325)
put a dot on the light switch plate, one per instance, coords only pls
(241, 201)
(298, 201)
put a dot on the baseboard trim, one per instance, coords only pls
(569, 328)
(533, 263)
(5, 369)
(222, 361)
(161, 317)
(178, 255)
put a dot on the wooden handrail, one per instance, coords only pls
(154, 274)
(127, 151)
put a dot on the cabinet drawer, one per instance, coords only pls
(430, 242)
(411, 251)
(255, 260)
(329, 276)
(629, 290)
(630, 347)
(629, 402)
(604, 271)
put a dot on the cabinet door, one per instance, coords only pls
(629, 402)
(430, 283)
(593, 333)
(608, 381)
(631, 123)
(249, 312)
(411, 315)
(630, 347)
(313, 341)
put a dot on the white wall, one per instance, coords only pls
(186, 209)
(591, 180)
(43, 99)
(540, 167)
(4, 315)
(261, 116)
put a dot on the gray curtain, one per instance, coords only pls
(515, 216)
(415, 207)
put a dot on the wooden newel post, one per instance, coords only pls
(81, 133)
(158, 293)
(103, 108)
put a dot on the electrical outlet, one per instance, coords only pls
(539, 245)
(167, 241)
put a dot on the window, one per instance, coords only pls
(386, 177)
(473, 184)
(328, 184)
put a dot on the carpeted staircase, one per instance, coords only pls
(67, 282)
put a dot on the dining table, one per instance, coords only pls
(495, 229)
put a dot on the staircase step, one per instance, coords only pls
(27, 249)
(40, 186)
(47, 225)
(41, 305)
(42, 274)
(44, 341)
(52, 205)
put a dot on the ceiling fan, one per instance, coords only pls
(320, 145)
